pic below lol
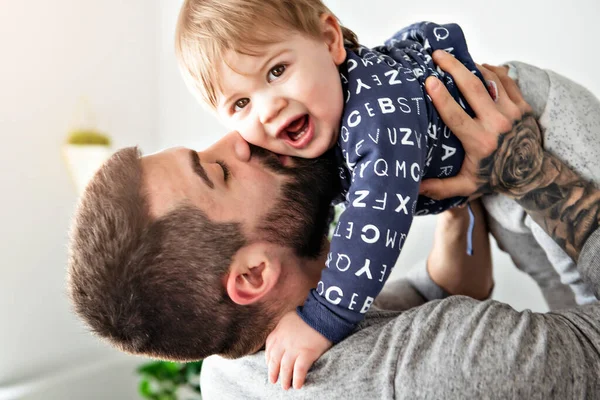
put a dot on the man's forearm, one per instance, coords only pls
(564, 204)
(450, 266)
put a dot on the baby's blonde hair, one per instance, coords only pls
(206, 29)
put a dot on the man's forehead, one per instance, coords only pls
(164, 177)
(161, 154)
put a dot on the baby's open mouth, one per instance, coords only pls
(297, 128)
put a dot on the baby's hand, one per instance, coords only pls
(292, 348)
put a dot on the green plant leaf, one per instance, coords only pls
(161, 379)
(151, 368)
(87, 137)
(144, 389)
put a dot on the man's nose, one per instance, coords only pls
(270, 108)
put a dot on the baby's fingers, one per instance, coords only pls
(512, 90)
(507, 107)
(286, 371)
(301, 367)
(274, 364)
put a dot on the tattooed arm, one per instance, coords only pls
(561, 202)
(512, 163)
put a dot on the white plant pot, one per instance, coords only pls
(83, 161)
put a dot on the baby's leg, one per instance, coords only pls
(569, 116)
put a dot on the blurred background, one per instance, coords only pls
(118, 56)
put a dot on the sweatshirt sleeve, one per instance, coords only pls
(589, 262)
(387, 139)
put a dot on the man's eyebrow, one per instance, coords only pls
(198, 169)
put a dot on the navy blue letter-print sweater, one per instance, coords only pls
(390, 138)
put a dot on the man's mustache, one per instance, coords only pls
(271, 160)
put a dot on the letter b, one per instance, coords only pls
(386, 105)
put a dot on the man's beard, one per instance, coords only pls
(300, 217)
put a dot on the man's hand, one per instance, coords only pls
(480, 135)
(291, 349)
(503, 154)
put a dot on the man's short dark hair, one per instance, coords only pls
(154, 286)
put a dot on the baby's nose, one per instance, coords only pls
(241, 148)
(271, 108)
(232, 145)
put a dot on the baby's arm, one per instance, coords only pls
(389, 136)
(371, 231)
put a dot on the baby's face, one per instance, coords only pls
(287, 99)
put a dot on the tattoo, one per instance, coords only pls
(564, 204)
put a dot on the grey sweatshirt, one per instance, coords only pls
(456, 348)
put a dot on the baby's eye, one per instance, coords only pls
(241, 103)
(276, 72)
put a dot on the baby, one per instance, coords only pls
(291, 79)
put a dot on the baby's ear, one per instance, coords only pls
(334, 38)
(253, 274)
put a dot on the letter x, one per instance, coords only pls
(403, 203)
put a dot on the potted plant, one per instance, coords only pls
(163, 380)
(85, 150)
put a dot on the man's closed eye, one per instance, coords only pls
(224, 168)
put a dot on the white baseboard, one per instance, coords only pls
(86, 379)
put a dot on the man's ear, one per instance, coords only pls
(334, 38)
(253, 274)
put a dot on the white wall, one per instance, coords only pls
(51, 53)
(182, 121)
(120, 55)
(554, 34)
